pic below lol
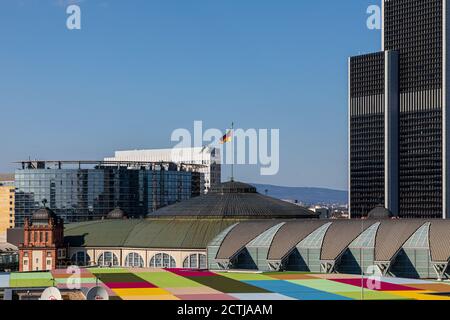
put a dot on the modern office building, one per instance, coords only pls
(7, 192)
(397, 115)
(207, 160)
(6, 210)
(89, 190)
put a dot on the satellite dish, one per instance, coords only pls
(97, 293)
(51, 293)
(85, 291)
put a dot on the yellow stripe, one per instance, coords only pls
(418, 295)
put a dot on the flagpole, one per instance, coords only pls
(232, 146)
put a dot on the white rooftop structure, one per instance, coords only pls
(206, 156)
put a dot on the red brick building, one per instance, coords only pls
(43, 247)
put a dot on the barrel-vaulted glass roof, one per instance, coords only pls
(314, 240)
(392, 235)
(217, 241)
(265, 239)
(367, 238)
(420, 239)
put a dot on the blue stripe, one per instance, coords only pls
(295, 290)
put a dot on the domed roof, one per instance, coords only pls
(233, 187)
(43, 215)
(234, 200)
(117, 213)
(379, 212)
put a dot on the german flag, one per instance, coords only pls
(227, 138)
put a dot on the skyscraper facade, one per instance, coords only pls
(397, 115)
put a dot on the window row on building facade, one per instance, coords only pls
(136, 260)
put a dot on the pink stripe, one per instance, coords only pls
(372, 284)
(191, 273)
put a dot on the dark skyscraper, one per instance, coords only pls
(397, 115)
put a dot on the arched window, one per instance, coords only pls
(195, 261)
(108, 259)
(162, 260)
(81, 259)
(134, 260)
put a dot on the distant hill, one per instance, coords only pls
(303, 194)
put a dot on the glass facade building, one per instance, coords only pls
(81, 194)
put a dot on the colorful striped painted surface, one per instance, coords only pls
(181, 284)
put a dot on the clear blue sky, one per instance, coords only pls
(139, 69)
